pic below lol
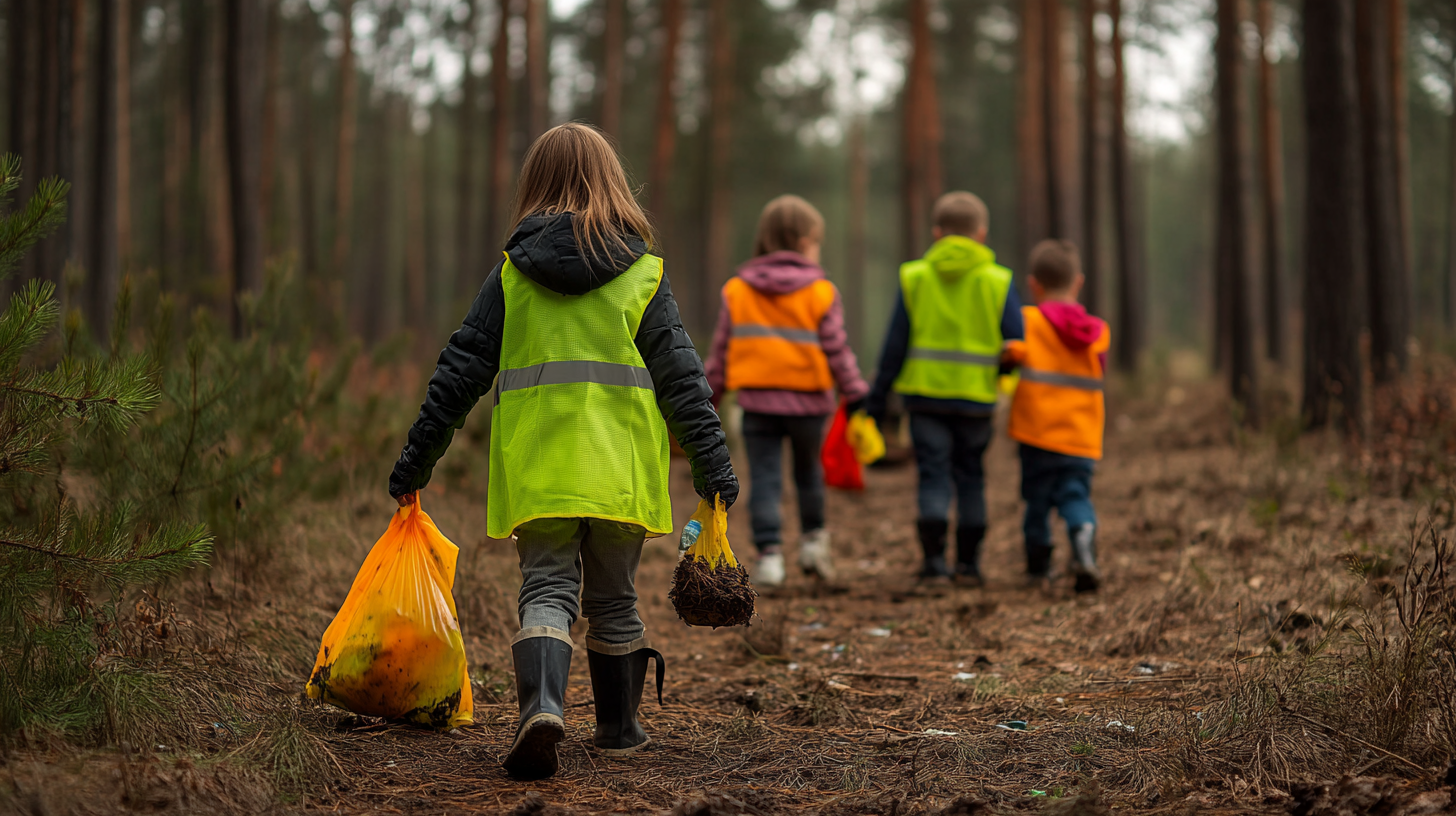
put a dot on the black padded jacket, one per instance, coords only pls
(544, 249)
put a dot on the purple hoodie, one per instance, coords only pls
(779, 273)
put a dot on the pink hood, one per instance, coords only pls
(1073, 325)
(779, 273)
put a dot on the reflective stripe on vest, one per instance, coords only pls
(565, 372)
(943, 356)
(781, 332)
(1064, 380)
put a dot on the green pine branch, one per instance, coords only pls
(45, 211)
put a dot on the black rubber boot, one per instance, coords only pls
(1084, 559)
(932, 542)
(542, 665)
(617, 683)
(1038, 562)
(968, 555)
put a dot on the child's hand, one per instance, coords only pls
(407, 499)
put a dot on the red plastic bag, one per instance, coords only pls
(841, 467)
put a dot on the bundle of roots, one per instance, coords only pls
(712, 594)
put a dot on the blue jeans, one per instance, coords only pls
(1054, 480)
(948, 451)
(763, 436)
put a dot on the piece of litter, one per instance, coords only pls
(812, 627)
(1146, 668)
(878, 632)
(1061, 700)
(1036, 793)
(936, 732)
(1013, 725)
(389, 764)
(963, 676)
(1120, 724)
(793, 667)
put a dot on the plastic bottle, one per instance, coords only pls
(690, 533)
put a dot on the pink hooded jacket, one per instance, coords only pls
(779, 273)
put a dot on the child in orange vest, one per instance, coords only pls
(1058, 413)
(780, 343)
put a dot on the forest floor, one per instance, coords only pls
(1171, 690)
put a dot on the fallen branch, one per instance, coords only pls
(903, 678)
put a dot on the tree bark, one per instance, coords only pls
(48, 148)
(1400, 100)
(122, 78)
(1234, 258)
(246, 25)
(1387, 287)
(1031, 130)
(1055, 101)
(344, 154)
(103, 272)
(1450, 299)
(614, 43)
(1091, 159)
(417, 285)
(1271, 157)
(1334, 253)
(915, 181)
(176, 148)
(538, 80)
(664, 144)
(308, 196)
(718, 230)
(859, 194)
(465, 195)
(497, 211)
(272, 88)
(1131, 289)
(76, 156)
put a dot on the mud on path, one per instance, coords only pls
(872, 695)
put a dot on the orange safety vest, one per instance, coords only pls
(775, 341)
(1059, 404)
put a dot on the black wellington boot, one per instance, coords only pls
(968, 556)
(617, 683)
(932, 542)
(542, 663)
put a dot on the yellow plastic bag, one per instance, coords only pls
(709, 586)
(394, 650)
(866, 439)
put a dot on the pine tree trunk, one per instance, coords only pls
(1333, 252)
(465, 195)
(1031, 131)
(308, 174)
(497, 212)
(103, 270)
(1400, 100)
(538, 80)
(124, 238)
(718, 231)
(246, 26)
(25, 28)
(1131, 289)
(1055, 100)
(1386, 276)
(1091, 159)
(614, 42)
(77, 155)
(373, 290)
(48, 147)
(915, 181)
(1271, 157)
(416, 270)
(664, 143)
(176, 147)
(213, 170)
(1234, 258)
(272, 88)
(859, 196)
(344, 155)
(1450, 299)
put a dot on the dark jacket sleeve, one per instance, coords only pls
(683, 395)
(892, 359)
(1012, 327)
(465, 372)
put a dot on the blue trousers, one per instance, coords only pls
(1054, 480)
(948, 453)
(763, 436)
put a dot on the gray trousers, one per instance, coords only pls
(591, 559)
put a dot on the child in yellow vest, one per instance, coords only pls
(1057, 414)
(577, 329)
(781, 344)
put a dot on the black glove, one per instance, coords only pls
(721, 482)
(855, 407)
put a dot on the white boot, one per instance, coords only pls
(770, 570)
(814, 555)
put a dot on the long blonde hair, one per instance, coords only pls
(572, 168)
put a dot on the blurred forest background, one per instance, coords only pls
(371, 146)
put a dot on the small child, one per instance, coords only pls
(956, 313)
(577, 329)
(780, 343)
(1057, 414)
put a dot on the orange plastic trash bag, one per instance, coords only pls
(394, 650)
(841, 465)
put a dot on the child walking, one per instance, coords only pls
(1058, 413)
(956, 313)
(577, 329)
(780, 343)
